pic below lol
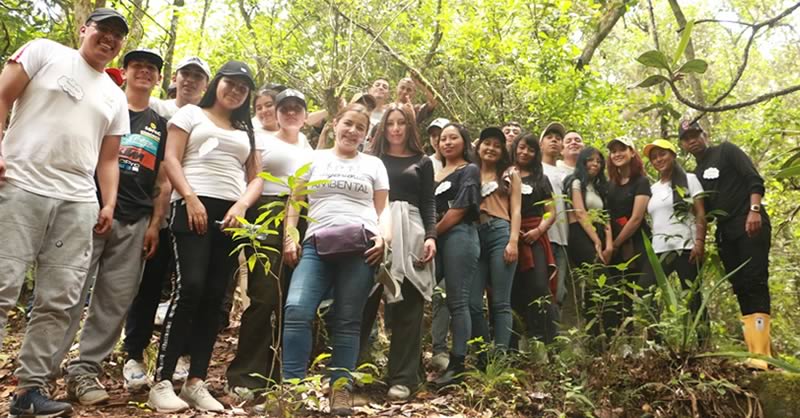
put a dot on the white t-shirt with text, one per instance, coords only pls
(214, 158)
(348, 197)
(669, 232)
(58, 124)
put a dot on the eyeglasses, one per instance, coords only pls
(109, 30)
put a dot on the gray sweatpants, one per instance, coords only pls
(115, 272)
(57, 235)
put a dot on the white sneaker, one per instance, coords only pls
(182, 369)
(399, 393)
(198, 397)
(162, 398)
(135, 375)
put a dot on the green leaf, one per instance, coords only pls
(651, 81)
(694, 66)
(270, 178)
(293, 233)
(654, 59)
(685, 37)
(792, 171)
(251, 262)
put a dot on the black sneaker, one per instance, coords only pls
(32, 404)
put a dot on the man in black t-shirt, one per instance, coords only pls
(118, 257)
(735, 190)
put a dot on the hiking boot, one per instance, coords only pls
(135, 376)
(32, 404)
(440, 361)
(162, 398)
(86, 389)
(399, 393)
(197, 396)
(451, 376)
(182, 369)
(342, 402)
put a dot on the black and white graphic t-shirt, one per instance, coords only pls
(348, 196)
(140, 156)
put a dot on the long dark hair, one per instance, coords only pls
(240, 117)
(502, 164)
(600, 182)
(535, 166)
(379, 143)
(678, 181)
(466, 154)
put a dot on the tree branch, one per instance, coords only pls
(733, 106)
(615, 11)
(437, 37)
(754, 28)
(415, 72)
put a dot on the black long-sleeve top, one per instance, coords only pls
(411, 180)
(729, 177)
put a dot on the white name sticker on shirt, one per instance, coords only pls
(71, 87)
(488, 188)
(208, 146)
(711, 173)
(443, 187)
(526, 189)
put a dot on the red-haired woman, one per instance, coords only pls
(628, 195)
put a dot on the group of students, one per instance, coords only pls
(501, 216)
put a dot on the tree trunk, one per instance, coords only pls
(168, 57)
(616, 9)
(136, 27)
(206, 6)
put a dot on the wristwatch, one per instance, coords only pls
(755, 208)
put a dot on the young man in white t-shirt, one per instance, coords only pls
(67, 120)
(550, 142)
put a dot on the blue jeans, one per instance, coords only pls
(495, 273)
(457, 262)
(351, 279)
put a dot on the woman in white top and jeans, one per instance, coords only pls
(679, 222)
(342, 247)
(210, 154)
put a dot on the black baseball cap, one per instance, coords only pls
(687, 126)
(290, 94)
(238, 68)
(143, 55)
(492, 132)
(104, 13)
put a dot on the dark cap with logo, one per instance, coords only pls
(289, 94)
(104, 14)
(143, 55)
(238, 68)
(687, 126)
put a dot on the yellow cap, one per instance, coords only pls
(660, 143)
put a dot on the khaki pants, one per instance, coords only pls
(57, 235)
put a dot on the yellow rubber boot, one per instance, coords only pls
(756, 336)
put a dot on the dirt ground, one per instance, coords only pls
(124, 404)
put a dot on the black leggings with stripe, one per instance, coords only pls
(204, 268)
